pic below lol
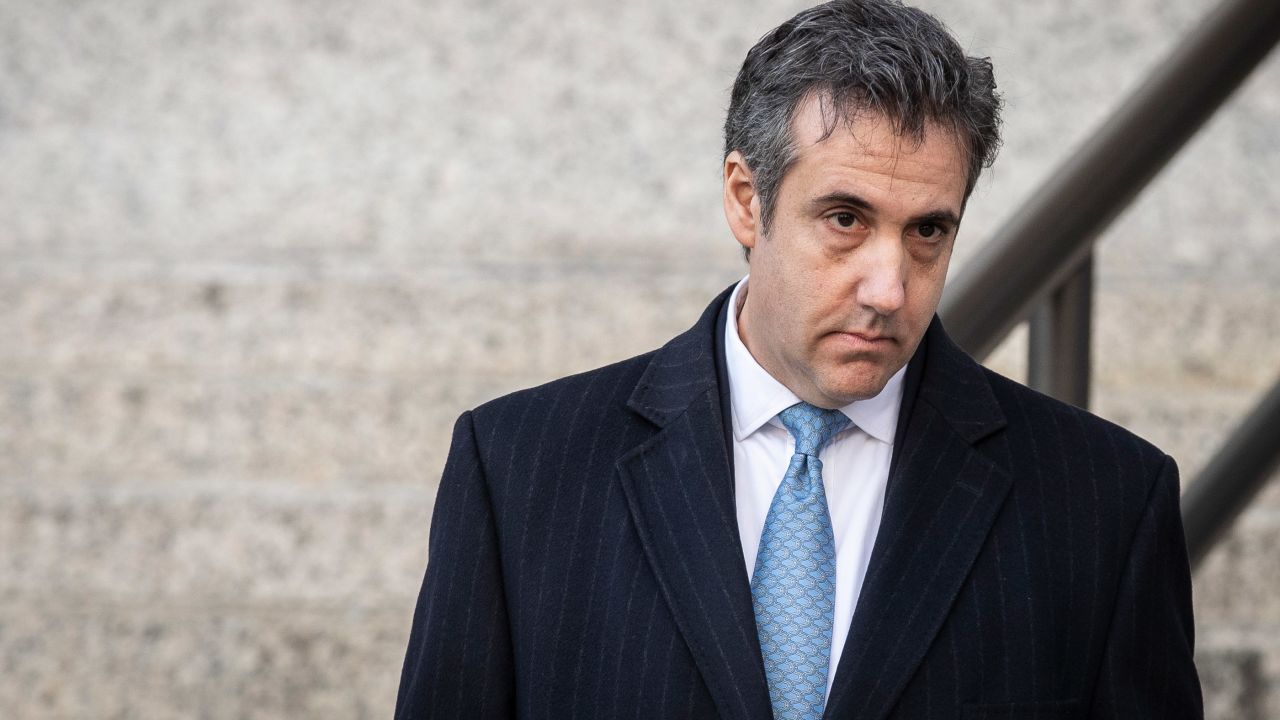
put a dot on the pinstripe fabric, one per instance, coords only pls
(585, 562)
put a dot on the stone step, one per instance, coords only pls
(92, 661)
(219, 543)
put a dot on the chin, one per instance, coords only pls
(857, 383)
(847, 392)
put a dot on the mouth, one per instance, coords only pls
(867, 336)
(863, 340)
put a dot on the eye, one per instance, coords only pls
(844, 220)
(931, 231)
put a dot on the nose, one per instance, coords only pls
(882, 286)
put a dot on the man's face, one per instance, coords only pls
(847, 278)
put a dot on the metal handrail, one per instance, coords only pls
(1043, 253)
(1236, 473)
(1053, 233)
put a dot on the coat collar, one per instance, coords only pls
(957, 387)
(943, 496)
(681, 370)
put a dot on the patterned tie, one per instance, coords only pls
(794, 583)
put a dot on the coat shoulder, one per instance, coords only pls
(1038, 420)
(541, 420)
(609, 385)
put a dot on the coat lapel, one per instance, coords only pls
(679, 489)
(940, 504)
(942, 499)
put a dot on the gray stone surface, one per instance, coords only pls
(220, 544)
(1241, 671)
(44, 661)
(1235, 585)
(538, 318)
(255, 258)
(351, 428)
(339, 377)
(202, 661)
(1234, 684)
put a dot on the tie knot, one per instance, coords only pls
(812, 426)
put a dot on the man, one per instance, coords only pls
(812, 504)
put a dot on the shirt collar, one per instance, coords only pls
(757, 397)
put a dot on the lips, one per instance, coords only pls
(867, 337)
(856, 343)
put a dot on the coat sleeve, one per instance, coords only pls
(1148, 670)
(459, 661)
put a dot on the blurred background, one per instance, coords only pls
(256, 257)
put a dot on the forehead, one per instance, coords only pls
(867, 152)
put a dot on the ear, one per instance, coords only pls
(741, 204)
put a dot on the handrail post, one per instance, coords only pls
(1059, 346)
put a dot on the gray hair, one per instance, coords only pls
(859, 56)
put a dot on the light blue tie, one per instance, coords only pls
(794, 583)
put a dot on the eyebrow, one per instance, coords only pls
(938, 216)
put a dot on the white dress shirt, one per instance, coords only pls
(855, 467)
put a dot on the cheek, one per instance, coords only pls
(925, 288)
(814, 317)
(921, 294)
(916, 318)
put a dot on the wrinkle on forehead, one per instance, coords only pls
(817, 118)
(869, 158)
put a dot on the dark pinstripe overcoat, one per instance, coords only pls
(585, 564)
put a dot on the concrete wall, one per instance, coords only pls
(255, 257)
